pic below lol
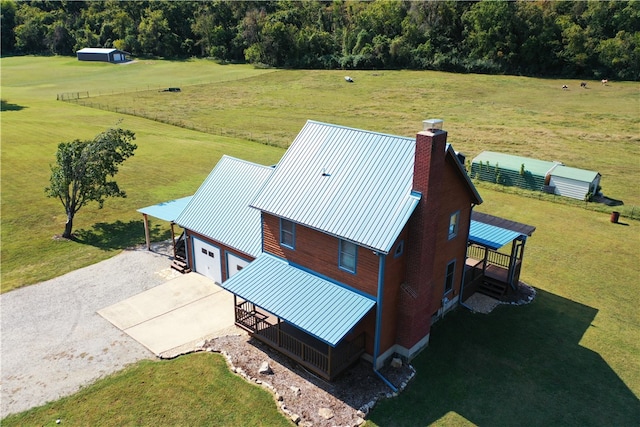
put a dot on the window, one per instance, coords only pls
(287, 233)
(453, 224)
(399, 249)
(448, 280)
(348, 255)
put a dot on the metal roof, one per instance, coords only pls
(490, 235)
(350, 183)
(518, 227)
(514, 163)
(98, 50)
(220, 208)
(582, 175)
(167, 211)
(326, 310)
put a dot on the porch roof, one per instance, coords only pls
(491, 236)
(167, 211)
(324, 309)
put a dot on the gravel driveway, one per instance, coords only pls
(53, 341)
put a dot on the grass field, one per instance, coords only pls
(570, 358)
(194, 390)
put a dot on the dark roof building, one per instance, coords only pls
(103, 55)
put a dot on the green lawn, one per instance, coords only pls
(169, 163)
(595, 128)
(191, 390)
(570, 358)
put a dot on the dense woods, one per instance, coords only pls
(595, 39)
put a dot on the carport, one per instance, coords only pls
(166, 211)
(181, 311)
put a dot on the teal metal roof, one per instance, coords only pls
(350, 183)
(167, 211)
(574, 173)
(220, 208)
(514, 163)
(490, 235)
(324, 309)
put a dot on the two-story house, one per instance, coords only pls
(349, 246)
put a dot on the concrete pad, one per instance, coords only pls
(180, 311)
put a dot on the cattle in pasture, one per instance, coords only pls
(565, 87)
(605, 82)
(583, 85)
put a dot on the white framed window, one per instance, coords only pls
(454, 220)
(348, 256)
(448, 279)
(287, 233)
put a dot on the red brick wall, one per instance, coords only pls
(394, 276)
(444, 192)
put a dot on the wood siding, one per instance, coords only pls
(318, 251)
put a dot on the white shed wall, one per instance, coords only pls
(570, 187)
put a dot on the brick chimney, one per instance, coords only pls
(416, 302)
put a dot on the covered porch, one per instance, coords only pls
(168, 211)
(309, 319)
(487, 269)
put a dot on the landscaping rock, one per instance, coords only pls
(396, 362)
(325, 413)
(265, 369)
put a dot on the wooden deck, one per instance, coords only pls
(491, 279)
(320, 358)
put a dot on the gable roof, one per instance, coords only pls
(220, 208)
(574, 173)
(350, 183)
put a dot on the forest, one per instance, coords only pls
(573, 39)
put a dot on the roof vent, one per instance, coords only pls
(432, 124)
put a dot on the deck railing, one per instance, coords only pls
(493, 257)
(328, 364)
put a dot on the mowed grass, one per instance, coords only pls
(169, 162)
(197, 389)
(570, 358)
(595, 128)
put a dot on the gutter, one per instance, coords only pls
(376, 344)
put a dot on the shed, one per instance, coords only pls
(103, 55)
(534, 174)
(505, 169)
(574, 183)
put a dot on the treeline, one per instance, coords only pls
(595, 39)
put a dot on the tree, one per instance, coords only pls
(83, 168)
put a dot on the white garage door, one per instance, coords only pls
(207, 260)
(235, 264)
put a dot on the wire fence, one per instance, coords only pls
(87, 100)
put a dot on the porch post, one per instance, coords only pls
(512, 262)
(485, 259)
(329, 364)
(278, 332)
(147, 239)
(173, 239)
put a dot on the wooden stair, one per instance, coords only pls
(494, 289)
(180, 264)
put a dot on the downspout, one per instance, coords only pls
(376, 343)
(464, 268)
